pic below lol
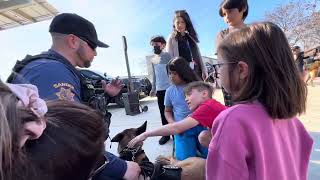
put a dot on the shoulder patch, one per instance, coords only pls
(65, 94)
(67, 85)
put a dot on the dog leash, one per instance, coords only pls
(147, 169)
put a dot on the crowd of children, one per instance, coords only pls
(259, 136)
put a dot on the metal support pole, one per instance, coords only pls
(125, 47)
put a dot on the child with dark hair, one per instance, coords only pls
(176, 109)
(70, 146)
(183, 42)
(160, 77)
(21, 120)
(230, 5)
(55, 141)
(259, 137)
(234, 12)
(204, 111)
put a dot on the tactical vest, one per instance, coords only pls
(88, 95)
(87, 88)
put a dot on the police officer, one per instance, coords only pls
(74, 43)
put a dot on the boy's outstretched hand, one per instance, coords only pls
(137, 139)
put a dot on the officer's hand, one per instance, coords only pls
(133, 171)
(113, 88)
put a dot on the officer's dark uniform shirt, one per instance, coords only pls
(55, 81)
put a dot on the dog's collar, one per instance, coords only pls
(130, 154)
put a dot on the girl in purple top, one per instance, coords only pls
(259, 137)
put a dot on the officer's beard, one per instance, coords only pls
(82, 58)
(87, 64)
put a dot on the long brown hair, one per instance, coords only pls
(74, 137)
(12, 159)
(273, 77)
(71, 144)
(189, 26)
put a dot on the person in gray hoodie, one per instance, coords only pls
(160, 77)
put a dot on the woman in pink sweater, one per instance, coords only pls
(259, 137)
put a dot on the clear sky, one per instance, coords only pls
(138, 20)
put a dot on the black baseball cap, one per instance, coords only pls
(68, 23)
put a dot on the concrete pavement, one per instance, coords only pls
(311, 120)
(120, 121)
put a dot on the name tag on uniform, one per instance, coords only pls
(191, 64)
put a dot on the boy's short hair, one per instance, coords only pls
(200, 86)
(158, 39)
(239, 4)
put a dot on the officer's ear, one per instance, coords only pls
(72, 41)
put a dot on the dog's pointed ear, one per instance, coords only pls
(142, 128)
(117, 138)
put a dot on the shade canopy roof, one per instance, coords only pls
(15, 13)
